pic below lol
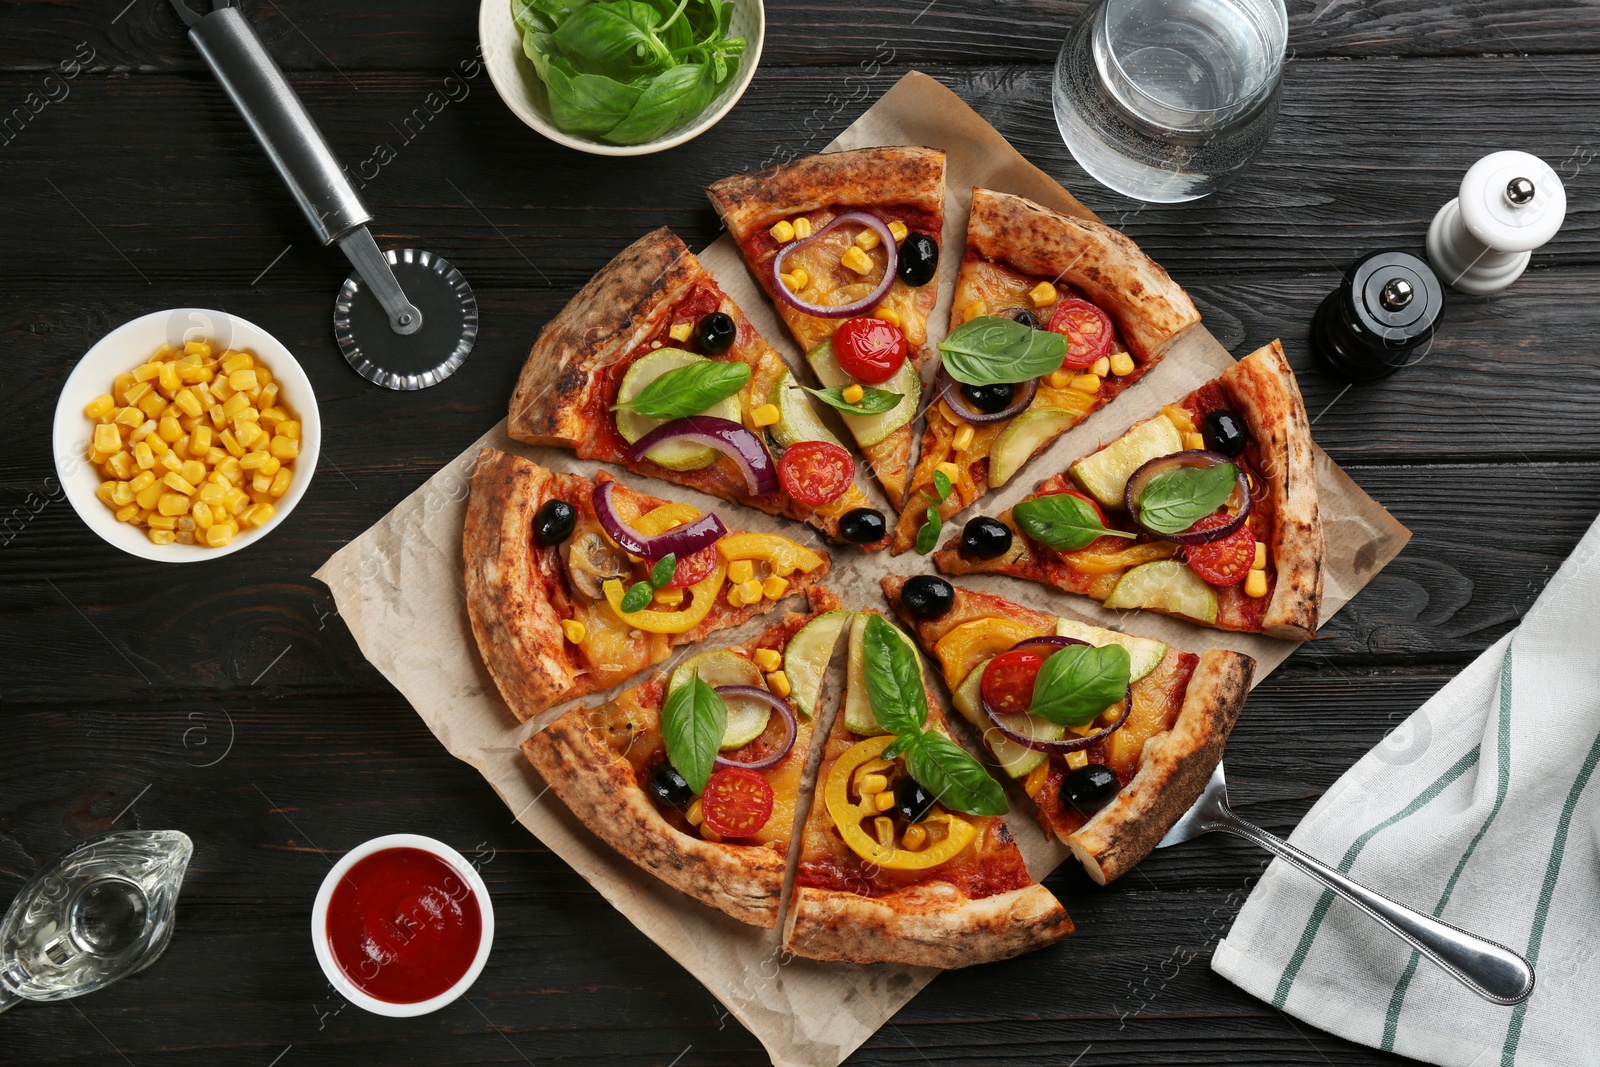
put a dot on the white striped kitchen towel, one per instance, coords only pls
(1481, 810)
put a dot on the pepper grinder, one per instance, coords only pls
(1510, 204)
(1385, 308)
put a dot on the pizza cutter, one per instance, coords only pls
(405, 319)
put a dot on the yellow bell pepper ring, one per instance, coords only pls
(973, 642)
(782, 555)
(664, 518)
(848, 817)
(670, 622)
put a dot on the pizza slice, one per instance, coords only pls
(1053, 317)
(1208, 512)
(576, 584)
(653, 367)
(1112, 736)
(695, 775)
(847, 246)
(905, 858)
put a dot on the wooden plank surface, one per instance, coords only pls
(227, 700)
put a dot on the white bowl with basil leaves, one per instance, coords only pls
(621, 77)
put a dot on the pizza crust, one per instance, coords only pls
(930, 925)
(745, 881)
(1150, 309)
(861, 177)
(1173, 770)
(1264, 392)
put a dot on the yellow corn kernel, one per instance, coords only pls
(261, 514)
(1260, 563)
(575, 630)
(100, 406)
(270, 416)
(211, 493)
(1101, 367)
(802, 227)
(1043, 295)
(736, 596)
(188, 403)
(889, 315)
(750, 590)
(229, 469)
(219, 536)
(1255, 584)
(963, 439)
(269, 392)
(200, 442)
(694, 814)
(170, 462)
(774, 587)
(1078, 759)
(173, 504)
(768, 659)
(778, 682)
(883, 801)
(914, 838)
(668, 598)
(144, 372)
(235, 501)
(236, 361)
(289, 429)
(872, 784)
(197, 348)
(135, 393)
(251, 460)
(680, 331)
(120, 385)
(193, 471)
(243, 381)
(1194, 441)
(1121, 364)
(143, 430)
(1179, 417)
(852, 394)
(1086, 383)
(898, 230)
(178, 483)
(280, 482)
(867, 240)
(143, 457)
(231, 443)
(270, 466)
(796, 279)
(244, 516)
(261, 483)
(949, 470)
(741, 571)
(147, 498)
(782, 231)
(218, 419)
(157, 445)
(169, 378)
(105, 491)
(127, 512)
(202, 514)
(161, 521)
(235, 404)
(142, 481)
(130, 417)
(1061, 379)
(220, 391)
(169, 429)
(122, 466)
(975, 309)
(883, 827)
(161, 537)
(122, 494)
(152, 405)
(107, 438)
(765, 415)
(857, 260)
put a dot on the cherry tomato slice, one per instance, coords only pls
(737, 802)
(1088, 331)
(815, 473)
(870, 350)
(695, 567)
(1008, 680)
(1225, 562)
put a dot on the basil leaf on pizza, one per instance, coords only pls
(928, 534)
(1079, 682)
(1177, 499)
(693, 720)
(950, 773)
(872, 402)
(689, 390)
(663, 569)
(990, 350)
(1063, 522)
(894, 683)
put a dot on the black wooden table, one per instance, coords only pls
(227, 699)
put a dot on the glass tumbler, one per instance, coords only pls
(1169, 100)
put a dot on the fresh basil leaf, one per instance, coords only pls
(689, 390)
(1079, 682)
(894, 683)
(693, 720)
(928, 534)
(1062, 521)
(1177, 499)
(637, 598)
(662, 570)
(990, 350)
(613, 35)
(941, 486)
(872, 402)
(586, 103)
(668, 99)
(948, 771)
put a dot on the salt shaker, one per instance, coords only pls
(1510, 203)
(1385, 309)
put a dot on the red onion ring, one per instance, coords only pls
(1054, 642)
(1141, 478)
(838, 311)
(755, 692)
(1057, 747)
(706, 530)
(724, 435)
(1021, 396)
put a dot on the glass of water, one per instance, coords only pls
(1169, 100)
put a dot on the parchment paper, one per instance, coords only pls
(399, 588)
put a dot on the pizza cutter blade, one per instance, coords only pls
(404, 319)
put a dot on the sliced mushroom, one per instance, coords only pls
(591, 560)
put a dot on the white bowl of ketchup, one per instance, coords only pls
(402, 925)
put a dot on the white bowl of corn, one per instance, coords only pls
(186, 435)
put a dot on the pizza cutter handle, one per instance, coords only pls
(253, 81)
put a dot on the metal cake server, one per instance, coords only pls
(1492, 971)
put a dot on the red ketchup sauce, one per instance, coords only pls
(403, 925)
